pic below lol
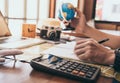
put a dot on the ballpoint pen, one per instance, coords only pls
(102, 41)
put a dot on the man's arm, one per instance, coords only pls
(114, 41)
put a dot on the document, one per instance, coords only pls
(63, 50)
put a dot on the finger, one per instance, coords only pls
(82, 51)
(78, 12)
(88, 41)
(87, 54)
(79, 46)
(82, 40)
(82, 44)
(9, 52)
(79, 51)
(83, 57)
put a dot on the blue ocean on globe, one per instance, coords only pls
(66, 11)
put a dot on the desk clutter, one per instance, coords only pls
(106, 71)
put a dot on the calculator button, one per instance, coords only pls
(86, 69)
(75, 72)
(74, 66)
(62, 68)
(80, 66)
(69, 70)
(88, 75)
(81, 73)
(60, 64)
(70, 63)
(66, 66)
(63, 63)
(57, 67)
(71, 67)
(75, 63)
(78, 69)
(91, 73)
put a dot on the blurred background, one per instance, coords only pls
(17, 12)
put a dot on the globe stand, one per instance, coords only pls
(68, 27)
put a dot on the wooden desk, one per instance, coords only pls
(17, 72)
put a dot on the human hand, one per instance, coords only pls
(91, 51)
(79, 22)
(10, 52)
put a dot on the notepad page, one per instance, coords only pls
(63, 50)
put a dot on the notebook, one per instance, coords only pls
(9, 41)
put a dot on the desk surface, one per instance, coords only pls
(17, 72)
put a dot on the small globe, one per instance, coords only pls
(66, 12)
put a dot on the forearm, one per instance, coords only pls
(98, 35)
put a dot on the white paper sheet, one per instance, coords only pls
(63, 50)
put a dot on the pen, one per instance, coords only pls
(102, 41)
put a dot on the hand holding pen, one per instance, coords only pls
(91, 51)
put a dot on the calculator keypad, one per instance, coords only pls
(76, 69)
